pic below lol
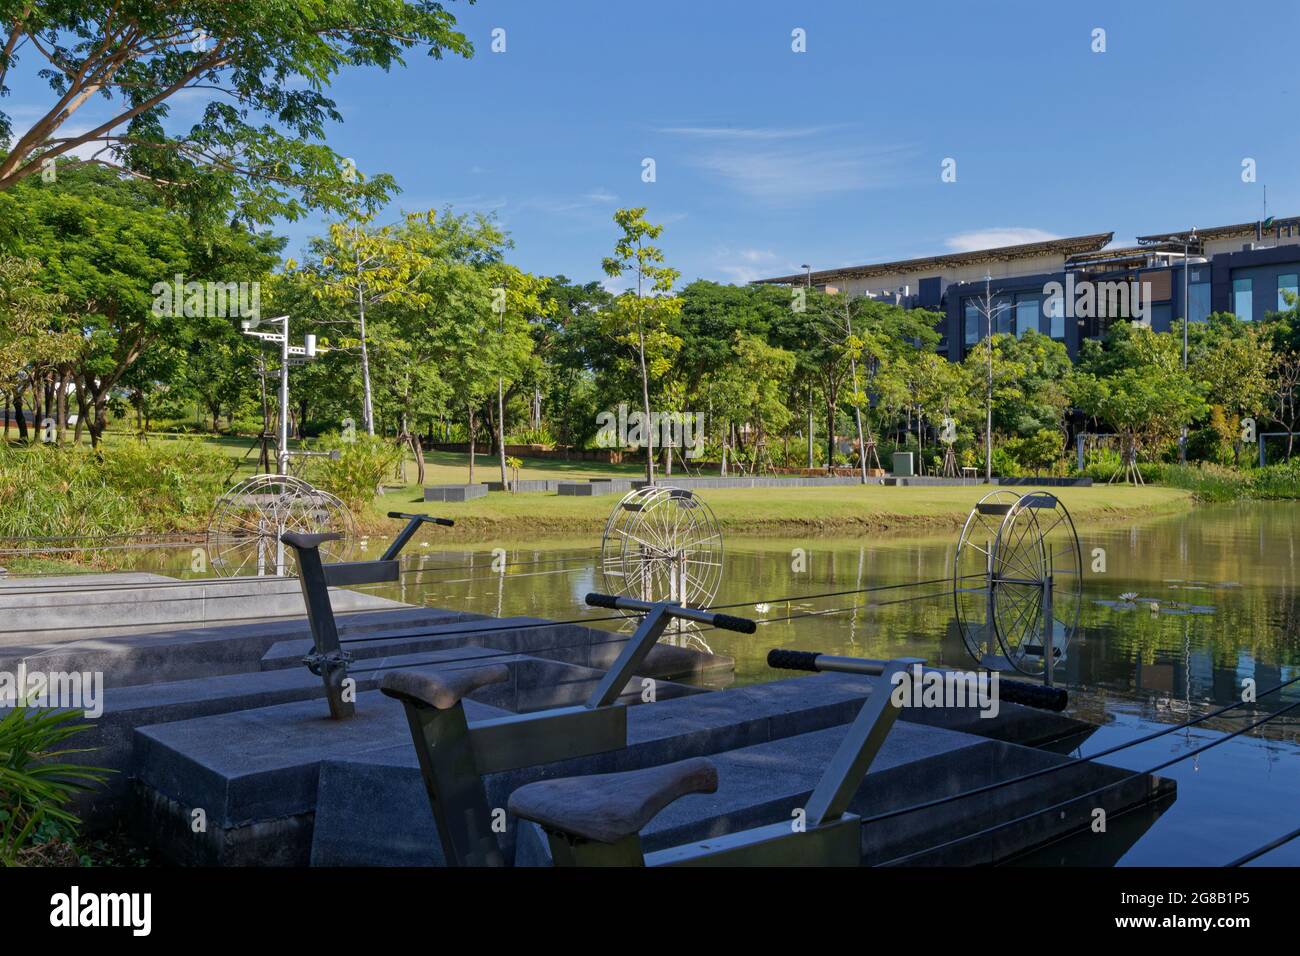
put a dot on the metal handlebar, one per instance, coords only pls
(728, 622)
(1011, 691)
(429, 518)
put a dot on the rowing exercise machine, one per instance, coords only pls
(596, 820)
(328, 660)
(455, 756)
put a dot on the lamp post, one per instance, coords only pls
(808, 284)
(988, 405)
(289, 355)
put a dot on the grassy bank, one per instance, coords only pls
(840, 510)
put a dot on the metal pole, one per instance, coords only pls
(988, 419)
(1187, 271)
(1049, 626)
(282, 453)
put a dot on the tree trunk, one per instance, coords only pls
(18, 415)
(501, 432)
(471, 444)
(645, 408)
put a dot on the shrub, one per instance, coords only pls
(128, 486)
(35, 785)
(355, 476)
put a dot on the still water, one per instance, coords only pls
(1185, 610)
(1210, 601)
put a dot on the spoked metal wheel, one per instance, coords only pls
(1037, 581)
(247, 521)
(662, 544)
(971, 571)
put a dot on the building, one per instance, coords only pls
(1074, 288)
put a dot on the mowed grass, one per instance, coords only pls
(840, 510)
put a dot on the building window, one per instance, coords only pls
(1243, 299)
(1286, 284)
(1198, 295)
(974, 322)
(1028, 308)
(1055, 309)
(1003, 314)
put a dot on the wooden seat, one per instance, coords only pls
(443, 689)
(608, 807)
(298, 539)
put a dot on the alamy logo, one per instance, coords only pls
(76, 690)
(219, 300)
(668, 429)
(926, 687)
(1098, 300)
(74, 908)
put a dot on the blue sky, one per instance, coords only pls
(766, 158)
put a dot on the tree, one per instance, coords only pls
(28, 332)
(1236, 361)
(1145, 404)
(639, 318)
(259, 141)
(107, 244)
(751, 388)
(516, 296)
(367, 266)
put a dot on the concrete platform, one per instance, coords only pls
(455, 492)
(595, 487)
(144, 658)
(74, 607)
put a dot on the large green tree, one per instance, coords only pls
(259, 145)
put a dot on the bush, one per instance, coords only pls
(128, 486)
(1036, 453)
(1277, 481)
(35, 785)
(355, 476)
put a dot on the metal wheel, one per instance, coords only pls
(971, 569)
(247, 521)
(1018, 576)
(1037, 581)
(662, 544)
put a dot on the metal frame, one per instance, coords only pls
(455, 755)
(328, 660)
(1003, 569)
(831, 835)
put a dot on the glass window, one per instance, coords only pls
(974, 322)
(1055, 309)
(1286, 284)
(1243, 299)
(1027, 311)
(1198, 294)
(1003, 314)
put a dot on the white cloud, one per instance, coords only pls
(742, 266)
(996, 238)
(789, 165)
(601, 196)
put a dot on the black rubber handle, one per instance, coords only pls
(596, 599)
(729, 622)
(1033, 695)
(447, 522)
(786, 660)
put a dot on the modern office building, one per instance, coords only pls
(1074, 288)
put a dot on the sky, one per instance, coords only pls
(766, 158)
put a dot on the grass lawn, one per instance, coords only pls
(839, 510)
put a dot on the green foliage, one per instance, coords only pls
(364, 462)
(128, 486)
(36, 781)
(1037, 453)
(256, 152)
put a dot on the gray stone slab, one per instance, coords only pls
(455, 492)
(526, 485)
(200, 652)
(91, 606)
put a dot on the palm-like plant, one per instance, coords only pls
(35, 781)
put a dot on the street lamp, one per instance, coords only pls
(808, 271)
(808, 284)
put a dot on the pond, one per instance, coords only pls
(1186, 609)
